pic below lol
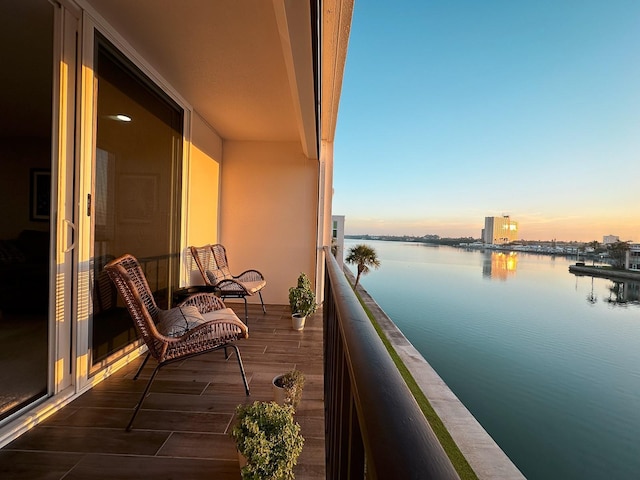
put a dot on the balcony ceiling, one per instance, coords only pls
(225, 57)
(246, 67)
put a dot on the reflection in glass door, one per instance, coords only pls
(136, 191)
(25, 196)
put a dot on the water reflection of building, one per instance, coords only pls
(499, 265)
(624, 292)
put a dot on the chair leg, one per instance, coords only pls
(144, 394)
(246, 312)
(244, 377)
(264, 310)
(144, 362)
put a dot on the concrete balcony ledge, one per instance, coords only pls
(482, 453)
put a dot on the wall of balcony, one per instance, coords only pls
(269, 203)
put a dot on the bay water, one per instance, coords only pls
(548, 362)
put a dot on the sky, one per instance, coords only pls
(452, 111)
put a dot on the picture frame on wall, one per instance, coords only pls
(40, 195)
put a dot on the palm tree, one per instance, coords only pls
(364, 256)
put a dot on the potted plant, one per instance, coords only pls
(267, 436)
(287, 388)
(302, 301)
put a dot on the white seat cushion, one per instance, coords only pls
(222, 314)
(253, 287)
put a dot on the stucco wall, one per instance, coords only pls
(203, 188)
(269, 212)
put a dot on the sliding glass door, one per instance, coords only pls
(25, 200)
(136, 192)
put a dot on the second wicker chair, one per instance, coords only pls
(214, 267)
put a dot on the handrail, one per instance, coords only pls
(374, 427)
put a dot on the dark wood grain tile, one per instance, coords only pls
(81, 439)
(163, 383)
(146, 420)
(199, 445)
(25, 465)
(110, 467)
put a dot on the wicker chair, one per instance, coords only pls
(199, 325)
(213, 265)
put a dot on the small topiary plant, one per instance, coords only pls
(302, 299)
(269, 438)
(292, 382)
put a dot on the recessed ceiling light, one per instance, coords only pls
(123, 118)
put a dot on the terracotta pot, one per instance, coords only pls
(242, 460)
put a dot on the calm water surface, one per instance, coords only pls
(546, 361)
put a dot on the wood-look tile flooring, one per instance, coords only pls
(182, 430)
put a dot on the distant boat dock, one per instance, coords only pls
(604, 272)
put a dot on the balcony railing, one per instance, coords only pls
(374, 427)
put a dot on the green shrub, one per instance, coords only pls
(269, 438)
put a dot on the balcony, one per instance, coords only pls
(182, 429)
(358, 416)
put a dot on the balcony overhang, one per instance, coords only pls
(246, 67)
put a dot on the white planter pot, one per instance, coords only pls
(278, 392)
(297, 322)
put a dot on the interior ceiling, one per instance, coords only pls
(224, 57)
(26, 72)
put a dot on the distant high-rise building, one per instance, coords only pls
(610, 239)
(499, 230)
(337, 237)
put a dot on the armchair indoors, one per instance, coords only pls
(199, 325)
(213, 265)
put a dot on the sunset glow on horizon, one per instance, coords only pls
(456, 111)
(560, 229)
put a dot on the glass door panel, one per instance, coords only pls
(136, 191)
(25, 200)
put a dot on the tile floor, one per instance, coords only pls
(182, 429)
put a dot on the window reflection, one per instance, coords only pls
(137, 190)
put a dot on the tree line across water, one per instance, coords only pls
(615, 253)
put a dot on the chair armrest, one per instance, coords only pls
(204, 302)
(223, 331)
(250, 276)
(209, 335)
(230, 285)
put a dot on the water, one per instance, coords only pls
(546, 361)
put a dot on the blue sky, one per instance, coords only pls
(456, 110)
